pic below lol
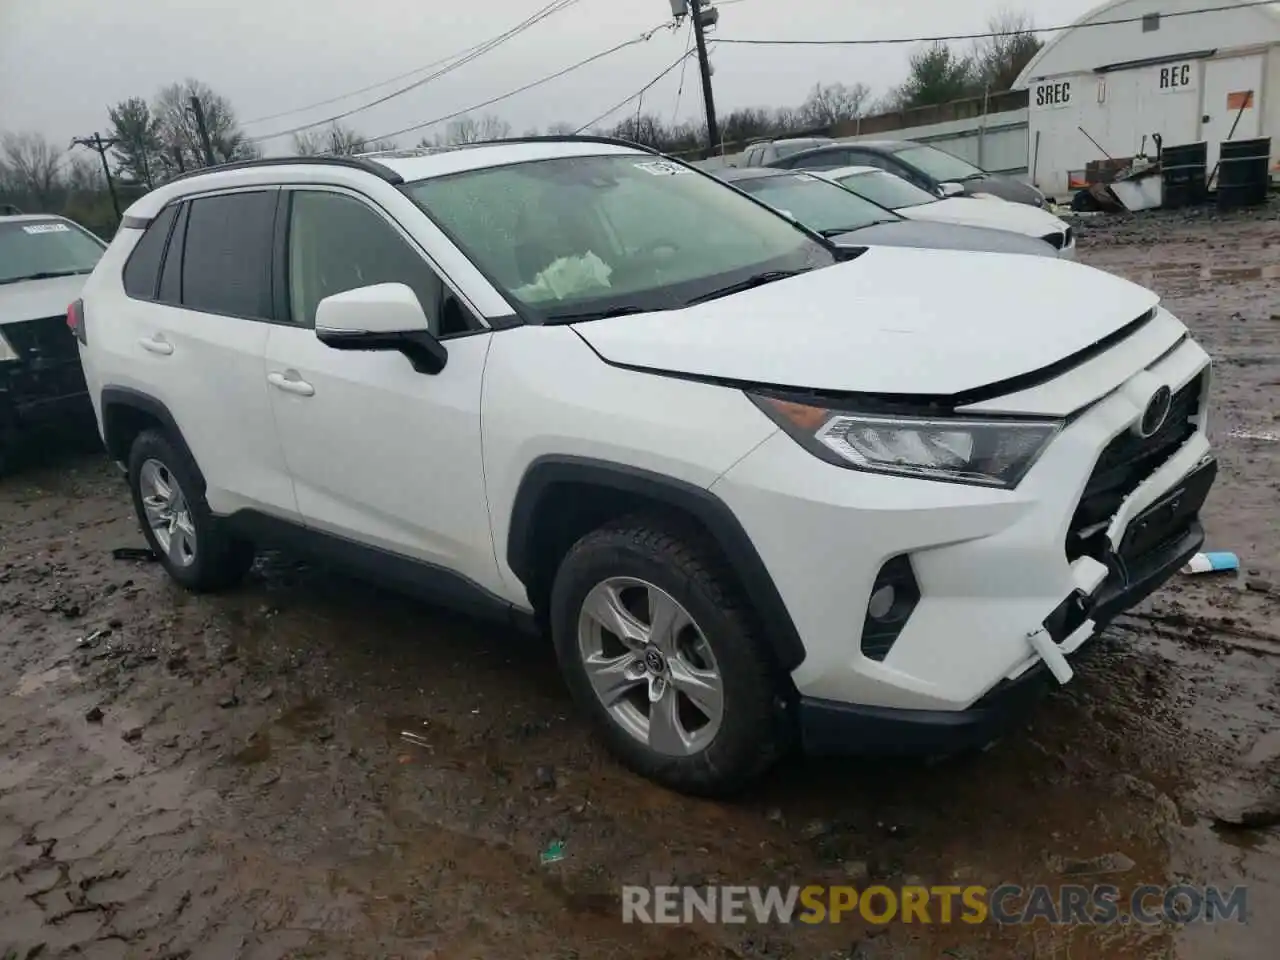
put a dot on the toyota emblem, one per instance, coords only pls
(1157, 412)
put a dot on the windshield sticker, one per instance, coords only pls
(46, 228)
(661, 168)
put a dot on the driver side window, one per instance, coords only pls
(337, 243)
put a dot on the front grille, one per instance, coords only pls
(1123, 465)
(47, 339)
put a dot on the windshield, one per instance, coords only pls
(572, 238)
(938, 164)
(819, 204)
(37, 248)
(887, 190)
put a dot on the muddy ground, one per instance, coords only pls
(309, 767)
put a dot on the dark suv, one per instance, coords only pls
(941, 173)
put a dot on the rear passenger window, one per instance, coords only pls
(142, 272)
(226, 258)
(171, 275)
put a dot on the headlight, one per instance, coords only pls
(6, 352)
(992, 453)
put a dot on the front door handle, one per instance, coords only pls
(290, 382)
(157, 344)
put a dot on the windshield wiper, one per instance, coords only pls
(837, 231)
(45, 275)
(622, 311)
(755, 280)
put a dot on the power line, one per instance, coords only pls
(528, 86)
(684, 64)
(372, 86)
(639, 93)
(549, 10)
(995, 33)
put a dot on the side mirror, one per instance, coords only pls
(384, 316)
(948, 190)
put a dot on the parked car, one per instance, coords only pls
(755, 488)
(44, 261)
(763, 152)
(931, 169)
(913, 203)
(849, 220)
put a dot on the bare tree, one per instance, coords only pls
(467, 129)
(180, 134)
(998, 60)
(829, 104)
(561, 129)
(337, 141)
(739, 126)
(84, 175)
(31, 165)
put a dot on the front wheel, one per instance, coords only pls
(659, 647)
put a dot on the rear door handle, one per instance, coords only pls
(157, 344)
(290, 382)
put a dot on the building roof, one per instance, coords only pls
(1043, 63)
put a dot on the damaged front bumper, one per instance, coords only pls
(831, 727)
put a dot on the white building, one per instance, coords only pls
(1188, 78)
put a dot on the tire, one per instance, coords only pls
(198, 554)
(712, 752)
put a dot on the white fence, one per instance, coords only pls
(996, 142)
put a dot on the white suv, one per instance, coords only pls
(755, 487)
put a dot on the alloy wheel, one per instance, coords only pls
(651, 666)
(168, 513)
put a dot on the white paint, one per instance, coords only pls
(429, 467)
(1223, 78)
(1168, 98)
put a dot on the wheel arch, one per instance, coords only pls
(127, 412)
(560, 498)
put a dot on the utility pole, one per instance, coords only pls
(711, 15)
(197, 108)
(100, 145)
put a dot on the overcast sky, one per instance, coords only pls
(62, 62)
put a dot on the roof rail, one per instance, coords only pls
(355, 163)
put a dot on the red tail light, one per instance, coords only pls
(75, 321)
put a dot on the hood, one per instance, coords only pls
(1006, 188)
(996, 214)
(893, 321)
(36, 299)
(945, 236)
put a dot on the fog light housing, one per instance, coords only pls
(893, 597)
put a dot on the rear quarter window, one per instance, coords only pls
(142, 270)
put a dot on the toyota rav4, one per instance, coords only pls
(755, 488)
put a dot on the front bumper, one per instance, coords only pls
(831, 727)
(31, 395)
(1001, 594)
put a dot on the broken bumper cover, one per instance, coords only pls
(32, 394)
(831, 727)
